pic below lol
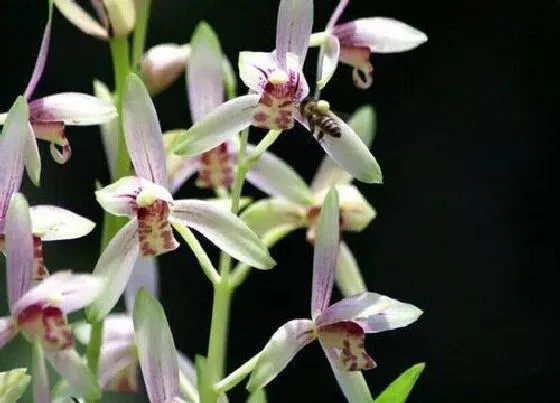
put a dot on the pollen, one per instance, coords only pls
(278, 77)
(323, 106)
(146, 198)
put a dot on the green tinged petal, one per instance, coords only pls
(258, 396)
(12, 384)
(364, 123)
(399, 389)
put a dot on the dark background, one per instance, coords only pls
(466, 216)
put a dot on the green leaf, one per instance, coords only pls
(399, 389)
(12, 384)
(258, 396)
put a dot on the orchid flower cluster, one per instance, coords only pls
(106, 350)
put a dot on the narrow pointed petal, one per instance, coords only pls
(325, 254)
(79, 291)
(345, 342)
(224, 229)
(19, 247)
(52, 223)
(348, 278)
(337, 13)
(143, 133)
(331, 54)
(380, 34)
(32, 157)
(254, 68)
(353, 385)
(204, 75)
(7, 330)
(13, 384)
(72, 108)
(220, 125)
(144, 275)
(40, 62)
(163, 64)
(156, 350)
(363, 121)
(13, 142)
(374, 312)
(279, 351)
(109, 130)
(274, 176)
(293, 29)
(115, 266)
(350, 153)
(41, 388)
(81, 19)
(269, 215)
(70, 365)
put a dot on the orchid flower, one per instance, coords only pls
(353, 42)
(39, 312)
(296, 205)
(341, 327)
(119, 361)
(49, 115)
(117, 17)
(145, 199)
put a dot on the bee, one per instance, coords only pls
(318, 114)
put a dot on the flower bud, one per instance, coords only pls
(122, 17)
(163, 64)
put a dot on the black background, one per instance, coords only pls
(466, 216)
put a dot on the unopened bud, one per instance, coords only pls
(122, 17)
(163, 64)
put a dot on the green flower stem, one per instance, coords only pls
(236, 376)
(139, 38)
(201, 256)
(223, 290)
(120, 54)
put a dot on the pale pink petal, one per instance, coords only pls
(81, 19)
(348, 278)
(274, 176)
(204, 74)
(144, 275)
(380, 34)
(293, 29)
(374, 312)
(13, 140)
(52, 223)
(41, 387)
(118, 328)
(156, 350)
(331, 53)
(217, 127)
(337, 13)
(19, 247)
(143, 134)
(7, 330)
(254, 68)
(118, 366)
(40, 62)
(224, 229)
(71, 108)
(163, 64)
(279, 351)
(115, 265)
(78, 291)
(71, 367)
(32, 157)
(325, 254)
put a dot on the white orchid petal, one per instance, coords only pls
(279, 351)
(70, 365)
(7, 330)
(254, 67)
(293, 29)
(32, 157)
(347, 275)
(52, 223)
(163, 64)
(72, 108)
(144, 275)
(220, 125)
(81, 19)
(331, 53)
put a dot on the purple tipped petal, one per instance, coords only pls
(224, 229)
(220, 125)
(331, 53)
(40, 62)
(72, 109)
(70, 365)
(143, 133)
(115, 265)
(204, 74)
(274, 176)
(325, 254)
(19, 247)
(144, 275)
(13, 140)
(279, 351)
(337, 13)
(156, 350)
(293, 29)
(7, 330)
